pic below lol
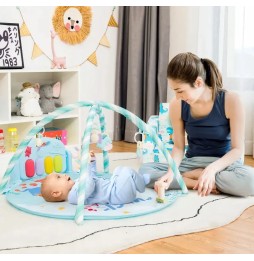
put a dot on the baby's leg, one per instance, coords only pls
(126, 184)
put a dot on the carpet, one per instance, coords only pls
(23, 233)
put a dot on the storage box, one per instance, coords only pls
(56, 133)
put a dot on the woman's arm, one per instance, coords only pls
(179, 140)
(179, 132)
(235, 113)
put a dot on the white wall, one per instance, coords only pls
(191, 30)
(96, 82)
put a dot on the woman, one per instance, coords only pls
(213, 119)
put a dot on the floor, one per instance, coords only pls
(237, 237)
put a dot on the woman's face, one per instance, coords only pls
(185, 91)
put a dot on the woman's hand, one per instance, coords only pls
(167, 179)
(206, 181)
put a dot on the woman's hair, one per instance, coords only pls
(186, 67)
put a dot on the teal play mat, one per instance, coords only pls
(32, 162)
(26, 197)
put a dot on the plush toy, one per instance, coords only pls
(29, 95)
(104, 143)
(49, 97)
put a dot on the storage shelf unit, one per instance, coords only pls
(10, 85)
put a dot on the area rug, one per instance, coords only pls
(25, 233)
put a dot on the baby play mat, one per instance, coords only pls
(36, 158)
(26, 197)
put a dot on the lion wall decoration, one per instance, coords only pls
(47, 37)
(72, 23)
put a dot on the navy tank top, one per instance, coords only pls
(209, 135)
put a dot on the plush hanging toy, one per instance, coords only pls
(29, 96)
(102, 140)
(104, 143)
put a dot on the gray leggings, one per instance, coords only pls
(237, 179)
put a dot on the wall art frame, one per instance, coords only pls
(11, 54)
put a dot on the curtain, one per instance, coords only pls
(238, 62)
(142, 59)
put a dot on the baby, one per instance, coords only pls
(121, 188)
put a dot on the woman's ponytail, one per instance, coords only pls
(186, 67)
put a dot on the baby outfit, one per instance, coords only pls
(121, 188)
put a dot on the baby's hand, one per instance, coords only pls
(92, 156)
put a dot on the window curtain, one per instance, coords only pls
(142, 59)
(235, 58)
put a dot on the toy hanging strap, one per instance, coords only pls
(79, 216)
(103, 129)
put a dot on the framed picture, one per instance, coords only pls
(11, 56)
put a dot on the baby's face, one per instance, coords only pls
(60, 182)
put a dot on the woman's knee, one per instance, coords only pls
(250, 182)
(237, 181)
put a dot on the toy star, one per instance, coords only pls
(28, 151)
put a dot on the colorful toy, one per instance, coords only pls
(147, 150)
(34, 160)
(162, 186)
(40, 160)
(56, 133)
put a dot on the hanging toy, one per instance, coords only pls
(95, 134)
(139, 149)
(39, 142)
(105, 143)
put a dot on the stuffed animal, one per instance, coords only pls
(29, 96)
(49, 97)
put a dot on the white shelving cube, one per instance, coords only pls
(10, 85)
